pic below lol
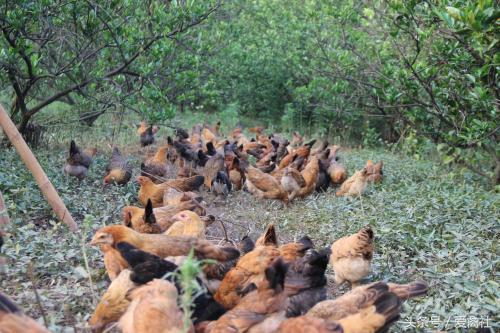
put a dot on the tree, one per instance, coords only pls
(75, 51)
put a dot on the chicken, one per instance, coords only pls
(374, 171)
(147, 266)
(263, 185)
(187, 223)
(362, 297)
(376, 318)
(154, 310)
(147, 136)
(336, 170)
(310, 175)
(323, 179)
(221, 184)
(208, 167)
(162, 245)
(249, 269)
(302, 151)
(78, 162)
(163, 215)
(155, 167)
(113, 303)
(12, 320)
(297, 140)
(305, 282)
(217, 271)
(118, 170)
(113, 261)
(147, 224)
(266, 299)
(143, 126)
(150, 190)
(251, 266)
(172, 197)
(292, 181)
(355, 185)
(351, 256)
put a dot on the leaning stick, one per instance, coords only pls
(4, 217)
(32, 164)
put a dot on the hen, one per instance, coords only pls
(355, 185)
(78, 162)
(263, 185)
(118, 170)
(364, 296)
(154, 310)
(146, 134)
(310, 175)
(163, 215)
(374, 171)
(155, 167)
(187, 223)
(266, 299)
(292, 181)
(146, 224)
(113, 303)
(162, 245)
(305, 282)
(150, 190)
(376, 318)
(147, 267)
(351, 256)
(113, 261)
(12, 320)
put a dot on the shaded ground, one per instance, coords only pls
(430, 224)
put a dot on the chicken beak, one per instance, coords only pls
(93, 241)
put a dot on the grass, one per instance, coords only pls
(431, 223)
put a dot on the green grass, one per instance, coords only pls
(431, 223)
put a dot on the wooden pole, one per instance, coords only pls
(4, 217)
(32, 164)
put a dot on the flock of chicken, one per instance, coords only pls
(260, 286)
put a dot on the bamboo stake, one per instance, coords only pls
(32, 164)
(4, 217)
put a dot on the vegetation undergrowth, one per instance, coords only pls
(430, 224)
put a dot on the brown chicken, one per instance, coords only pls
(162, 245)
(187, 223)
(310, 175)
(209, 168)
(263, 185)
(376, 318)
(266, 299)
(146, 133)
(163, 215)
(297, 140)
(172, 197)
(78, 162)
(362, 297)
(154, 310)
(155, 167)
(374, 171)
(150, 190)
(355, 185)
(336, 170)
(118, 170)
(146, 224)
(113, 261)
(12, 320)
(113, 303)
(251, 266)
(292, 181)
(351, 256)
(302, 151)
